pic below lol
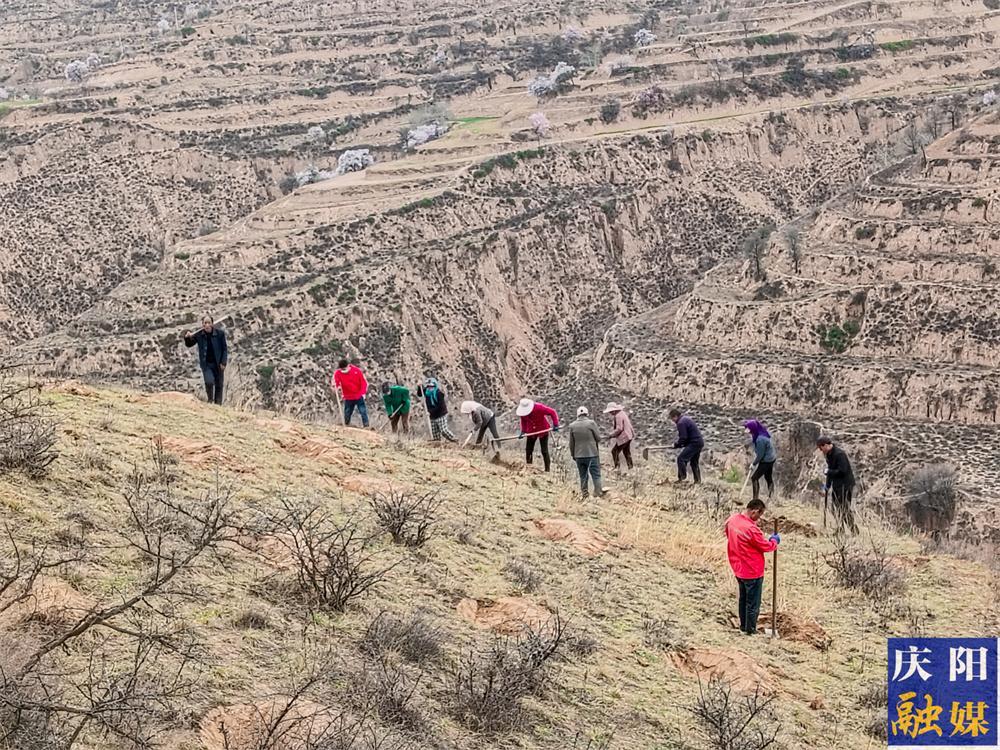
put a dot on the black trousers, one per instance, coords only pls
(843, 497)
(529, 449)
(765, 470)
(625, 449)
(214, 382)
(750, 591)
(691, 454)
(492, 427)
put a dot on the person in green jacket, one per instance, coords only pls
(396, 399)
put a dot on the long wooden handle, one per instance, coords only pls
(774, 588)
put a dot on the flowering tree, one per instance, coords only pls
(440, 57)
(163, 26)
(315, 134)
(76, 71)
(989, 98)
(572, 35)
(554, 83)
(354, 160)
(540, 124)
(643, 38)
(421, 134)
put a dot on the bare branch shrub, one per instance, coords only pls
(735, 722)
(933, 498)
(522, 575)
(872, 572)
(389, 689)
(488, 687)
(408, 518)
(27, 430)
(415, 638)
(660, 634)
(335, 562)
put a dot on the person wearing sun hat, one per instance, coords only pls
(483, 419)
(622, 434)
(537, 421)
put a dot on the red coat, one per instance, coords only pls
(536, 421)
(352, 384)
(747, 546)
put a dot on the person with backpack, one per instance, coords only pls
(839, 482)
(436, 402)
(350, 384)
(746, 547)
(764, 457)
(396, 399)
(537, 421)
(213, 356)
(584, 447)
(483, 419)
(691, 443)
(622, 434)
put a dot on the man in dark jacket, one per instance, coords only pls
(691, 443)
(584, 447)
(839, 481)
(213, 356)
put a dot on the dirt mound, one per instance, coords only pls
(315, 448)
(584, 540)
(788, 526)
(53, 604)
(508, 615)
(245, 726)
(794, 628)
(198, 453)
(366, 484)
(735, 667)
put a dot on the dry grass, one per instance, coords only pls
(666, 564)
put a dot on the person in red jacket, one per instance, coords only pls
(747, 546)
(537, 421)
(350, 382)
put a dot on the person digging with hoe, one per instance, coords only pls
(691, 443)
(746, 548)
(213, 356)
(483, 419)
(763, 459)
(839, 481)
(436, 401)
(537, 421)
(350, 384)
(622, 434)
(584, 447)
(396, 400)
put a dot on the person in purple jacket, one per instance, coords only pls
(690, 441)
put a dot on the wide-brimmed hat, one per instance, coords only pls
(468, 407)
(612, 407)
(524, 407)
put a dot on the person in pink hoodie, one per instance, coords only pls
(746, 547)
(537, 421)
(622, 434)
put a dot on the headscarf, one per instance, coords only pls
(432, 391)
(756, 429)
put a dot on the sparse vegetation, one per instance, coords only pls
(933, 498)
(27, 429)
(408, 518)
(736, 722)
(870, 570)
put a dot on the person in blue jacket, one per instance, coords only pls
(764, 457)
(213, 356)
(691, 443)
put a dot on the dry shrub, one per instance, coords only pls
(933, 498)
(870, 571)
(522, 575)
(251, 619)
(407, 517)
(27, 431)
(334, 562)
(389, 689)
(488, 687)
(415, 638)
(735, 722)
(661, 634)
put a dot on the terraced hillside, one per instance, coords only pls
(193, 118)
(879, 309)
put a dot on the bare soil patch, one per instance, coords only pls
(508, 615)
(794, 628)
(789, 526)
(198, 453)
(584, 540)
(245, 726)
(73, 388)
(170, 397)
(53, 604)
(735, 667)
